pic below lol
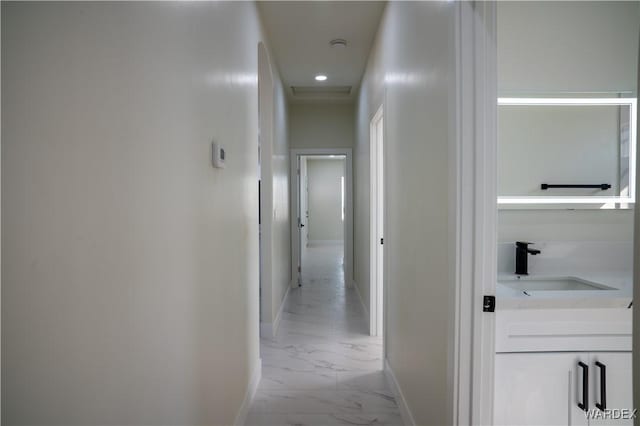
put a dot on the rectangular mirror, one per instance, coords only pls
(566, 151)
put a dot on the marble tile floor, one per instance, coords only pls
(323, 368)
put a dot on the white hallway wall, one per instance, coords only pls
(130, 279)
(553, 47)
(281, 229)
(409, 70)
(274, 152)
(321, 125)
(325, 199)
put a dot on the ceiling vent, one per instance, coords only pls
(321, 91)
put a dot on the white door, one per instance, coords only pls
(616, 370)
(539, 389)
(304, 204)
(376, 271)
(302, 213)
(300, 223)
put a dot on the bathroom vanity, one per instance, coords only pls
(563, 349)
(563, 336)
(566, 190)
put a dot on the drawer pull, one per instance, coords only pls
(584, 405)
(602, 405)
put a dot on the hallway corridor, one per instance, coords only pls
(323, 368)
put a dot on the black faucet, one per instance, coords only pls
(522, 257)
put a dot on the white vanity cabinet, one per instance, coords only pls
(546, 388)
(618, 381)
(537, 389)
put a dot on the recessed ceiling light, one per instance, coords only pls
(338, 42)
(321, 77)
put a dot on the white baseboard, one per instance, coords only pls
(268, 329)
(316, 243)
(366, 310)
(276, 323)
(405, 412)
(254, 381)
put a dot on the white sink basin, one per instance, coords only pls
(533, 283)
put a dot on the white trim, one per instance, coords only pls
(276, 323)
(485, 267)
(636, 281)
(405, 412)
(266, 99)
(268, 329)
(460, 349)
(348, 220)
(388, 247)
(376, 279)
(364, 306)
(631, 102)
(474, 180)
(312, 243)
(252, 387)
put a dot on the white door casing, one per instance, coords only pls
(304, 201)
(473, 201)
(296, 236)
(376, 223)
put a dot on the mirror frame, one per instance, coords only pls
(551, 199)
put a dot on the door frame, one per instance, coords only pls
(473, 160)
(376, 225)
(304, 205)
(266, 98)
(294, 170)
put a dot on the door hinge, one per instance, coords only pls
(381, 241)
(299, 269)
(489, 304)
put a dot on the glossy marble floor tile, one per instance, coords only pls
(323, 368)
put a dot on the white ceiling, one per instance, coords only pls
(299, 33)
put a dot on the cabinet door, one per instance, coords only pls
(619, 386)
(538, 389)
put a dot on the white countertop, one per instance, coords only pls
(621, 297)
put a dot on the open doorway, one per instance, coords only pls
(376, 149)
(565, 169)
(322, 216)
(322, 228)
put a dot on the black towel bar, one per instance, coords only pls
(601, 186)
